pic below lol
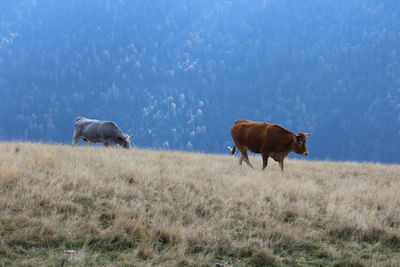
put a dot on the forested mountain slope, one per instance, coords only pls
(177, 74)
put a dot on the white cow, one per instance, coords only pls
(95, 131)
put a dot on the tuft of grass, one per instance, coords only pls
(392, 241)
(343, 233)
(166, 208)
(107, 219)
(263, 258)
(349, 263)
(289, 216)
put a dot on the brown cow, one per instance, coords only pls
(270, 140)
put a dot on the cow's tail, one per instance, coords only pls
(233, 150)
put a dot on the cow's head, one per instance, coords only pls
(125, 141)
(299, 143)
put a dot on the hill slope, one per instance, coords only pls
(173, 208)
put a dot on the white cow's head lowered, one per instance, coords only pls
(126, 141)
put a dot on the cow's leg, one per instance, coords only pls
(265, 160)
(281, 164)
(75, 139)
(106, 143)
(85, 142)
(245, 157)
(233, 150)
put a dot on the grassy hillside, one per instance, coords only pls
(92, 205)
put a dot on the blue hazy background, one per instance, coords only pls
(177, 74)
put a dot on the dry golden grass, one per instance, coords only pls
(140, 207)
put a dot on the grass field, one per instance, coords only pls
(86, 206)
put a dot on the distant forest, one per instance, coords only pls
(177, 74)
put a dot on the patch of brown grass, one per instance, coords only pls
(140, 207)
